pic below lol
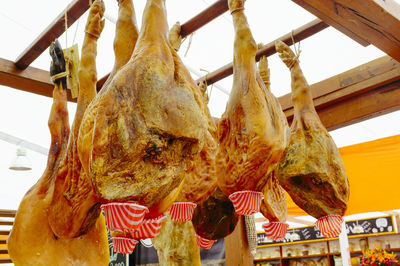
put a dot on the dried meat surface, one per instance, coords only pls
(140, 134)
(176, 244)
(32, 240)
(273, 206)
(312, 170)
(251, 132)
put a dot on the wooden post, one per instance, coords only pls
(237, 250)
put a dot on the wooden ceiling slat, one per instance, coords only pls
(298, 34)
(375, 21)
(7, 213)
(6, 222)
(4, 232)
(3, 251)
(74, 11)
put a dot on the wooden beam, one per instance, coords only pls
(7, 213)
(74, 11)
(237, 250)
(3, 251)
(6, 222)
(375, 21)
(4, 232)
(3, 241)
(298, 34)
(31, 79)
(212, 12)
(361, 93)
(5, 260)
(198, 21)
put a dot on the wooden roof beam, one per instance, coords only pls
(371, 21)
(31, 79)
(298, 34)
(74, 11)
(356, 95)
(207, 15)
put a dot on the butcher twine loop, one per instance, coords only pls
(297, 52)
(93, 34)
(236, 10)
(207, 95)
(59, 75)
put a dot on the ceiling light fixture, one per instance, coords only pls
(21, 162)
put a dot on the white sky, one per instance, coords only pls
(25, 115)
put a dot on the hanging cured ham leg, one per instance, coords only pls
(200, 179)
(312, 170)
(74, 207)
(176, 244)
(126, 34)
(251, 132)
(32, 241)
(140, 134)
(273, 207)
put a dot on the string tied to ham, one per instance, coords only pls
(297, 52)
(92, 34)
(59, 76)
(236, 10)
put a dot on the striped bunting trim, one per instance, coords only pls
(246, 202)
(330, 225)
(203, 242)
(121, 216)
(124, 245)
(182, 211)
(275, 230)
(150, 228)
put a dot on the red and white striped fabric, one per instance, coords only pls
(246, 202)
(275, 230)
(122, 216)
(150, 228)
(124, 245)
(182, 211)
(330, 225)
(204, 242)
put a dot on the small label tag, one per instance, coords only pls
(71, 55)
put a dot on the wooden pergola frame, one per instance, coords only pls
(361, 93)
